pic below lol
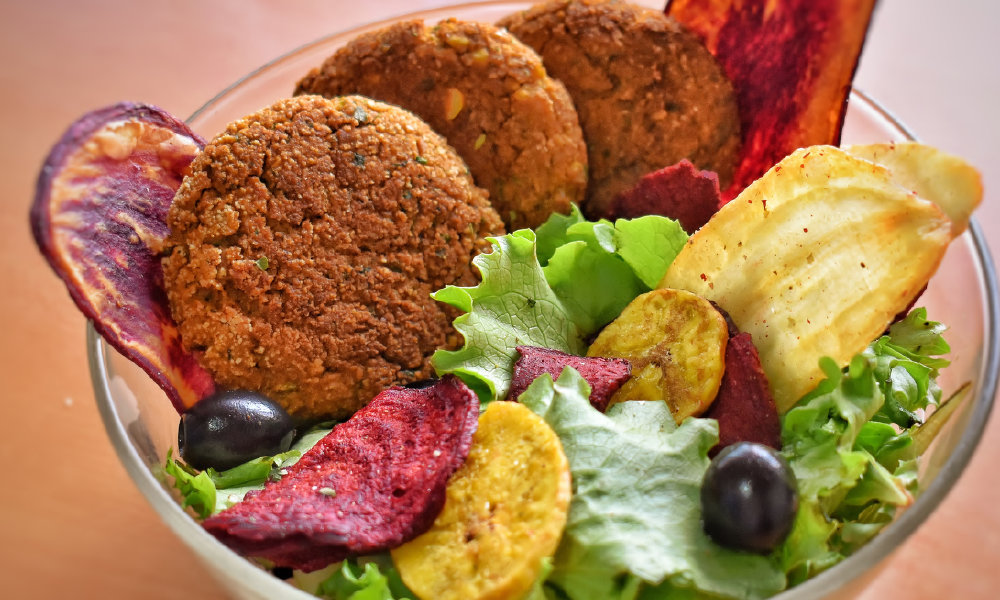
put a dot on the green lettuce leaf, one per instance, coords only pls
(374, 580)
(649, 244)
(254, 472)
(907, 361)
(513, 305)
(538, 590)
(209, 492)
(850, 444)
(634, 523)
(197, 489)
(552, 289)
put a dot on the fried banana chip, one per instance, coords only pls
(676, 342)
(791, 63)
(504, 513)
(814, 259)
(946, 180)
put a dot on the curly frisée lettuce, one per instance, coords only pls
(552, 288)
(634, 527)
(850, 444)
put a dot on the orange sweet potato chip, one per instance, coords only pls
(791, 63)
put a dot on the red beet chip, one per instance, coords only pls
(679, 191)
(99, 217)
(791, 63)
(605, 375)
(744, 406)
(373, 483)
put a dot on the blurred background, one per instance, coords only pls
(71, 522)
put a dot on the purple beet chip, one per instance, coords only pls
(605, 375)
(374, 482)
(99, 217)
(679, 191)
(744, 406)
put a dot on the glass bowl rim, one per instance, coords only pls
(850, 569)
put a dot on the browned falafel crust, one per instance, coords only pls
(305, 244)
(488, 94)
(648, 93)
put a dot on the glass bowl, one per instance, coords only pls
(142, 424)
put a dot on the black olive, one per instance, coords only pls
(422, 384)
(231, 427)
(749, 498)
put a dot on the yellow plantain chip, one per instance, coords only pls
(814, 259)
(946, 180)
(504, 513)
(676, 343)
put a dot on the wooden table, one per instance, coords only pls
(71, 522)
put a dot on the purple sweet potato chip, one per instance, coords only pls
(679, 191)
(605, 375)
(99, 217)
(744, 406)
(373, 483)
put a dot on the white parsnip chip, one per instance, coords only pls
(944, 179)
(815, 259)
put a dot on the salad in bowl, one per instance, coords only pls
(490, 403)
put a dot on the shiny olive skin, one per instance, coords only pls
(421, 384)
(231, 427)
(749, 498)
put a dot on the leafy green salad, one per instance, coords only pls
(634, 527)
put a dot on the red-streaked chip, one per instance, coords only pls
(679, 191)
(373, 483)
(605, 375)
(791, 63)
(99, 217)
(744, 406)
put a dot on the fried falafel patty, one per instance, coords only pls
(648, 93)
(305, 244)
(488, 94)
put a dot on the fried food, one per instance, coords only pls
(505, 512)
(947, 180)
(305, 244)
(814, 259)
(648, 92)
(374, 482)
(488, 94)
(603, 375)
(99, 217)
(679, 191)
(791, 63)
(744, 406)
(676, 343)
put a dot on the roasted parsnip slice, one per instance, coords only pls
(946, 180)
(814, 259)
(505, 512)
(676, 343)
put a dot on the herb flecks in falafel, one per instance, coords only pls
(359, 244)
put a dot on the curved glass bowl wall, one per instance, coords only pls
(142, 424)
